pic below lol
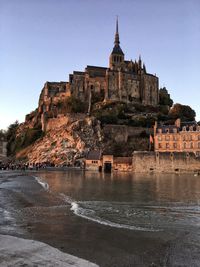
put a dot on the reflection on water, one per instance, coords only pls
(131, 201)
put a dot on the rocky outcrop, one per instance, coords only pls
(66, 144)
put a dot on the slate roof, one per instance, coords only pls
(94, 155)
(117, 50)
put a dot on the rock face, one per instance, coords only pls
(66, 144)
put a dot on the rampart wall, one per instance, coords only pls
(165, 162)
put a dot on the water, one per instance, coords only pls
(111, 219)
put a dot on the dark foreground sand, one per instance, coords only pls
(18, 252)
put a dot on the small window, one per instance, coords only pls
(199, 145)
(198, 137)
(160, 130)
(159, 145)
(184, 145)
(167, 145)
(167, 137)
(175, 130)
(167, 130)
(175, 145)
(191, 145)
(191, 128)
(184, 128)
(159, 138)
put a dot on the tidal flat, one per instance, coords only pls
(117, 219)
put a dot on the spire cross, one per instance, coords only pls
(117, 42)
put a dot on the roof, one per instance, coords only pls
(94, 155)
(79, 72)
(170, 128)
(117, 50)
(123, 160)
(96, 67)
(167, 128)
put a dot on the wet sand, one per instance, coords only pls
(27, 211)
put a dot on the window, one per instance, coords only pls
(184, 138)
(198, 137)
(167, 137)
(191, 128)
(184, 128)
(191, 145)
(175, 130)
(184, 145)
(199, 145)
(167, 145)
(159, 145)
(160, 130)
(175, 137)
(159, 138)
(167, 130)
(175, 145)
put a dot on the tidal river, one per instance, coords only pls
(113, 220)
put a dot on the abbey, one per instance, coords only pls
(123, 80)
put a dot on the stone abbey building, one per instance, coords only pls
(124, 80)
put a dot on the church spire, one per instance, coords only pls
(117, 42)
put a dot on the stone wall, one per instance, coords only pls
(165, 162)
(61, 120)
(121, 133)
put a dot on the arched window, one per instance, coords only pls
(184, 145)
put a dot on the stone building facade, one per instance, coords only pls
(180, 137)
(123, 80)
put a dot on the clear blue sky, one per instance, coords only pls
(45, 40)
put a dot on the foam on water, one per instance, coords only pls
(42, 183)
(90, 213)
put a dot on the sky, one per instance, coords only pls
(45, 40)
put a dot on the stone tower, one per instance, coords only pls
(117, 56)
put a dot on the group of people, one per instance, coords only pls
(24, 166)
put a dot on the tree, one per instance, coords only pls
(184, 112)
(164, 97)
(11, 137)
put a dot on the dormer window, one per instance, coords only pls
(184, 128)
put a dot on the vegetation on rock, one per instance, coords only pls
(184, 112)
